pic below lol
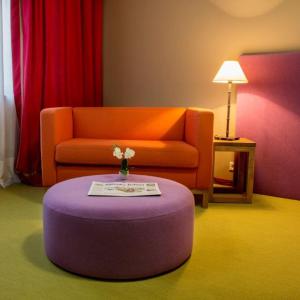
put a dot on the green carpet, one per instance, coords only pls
(241, 251)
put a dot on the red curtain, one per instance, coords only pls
(57, 61)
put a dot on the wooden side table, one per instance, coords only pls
(242, 185)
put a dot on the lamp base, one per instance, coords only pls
(226, 138)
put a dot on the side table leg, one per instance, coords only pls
(250, 176)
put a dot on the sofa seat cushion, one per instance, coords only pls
(148, 153)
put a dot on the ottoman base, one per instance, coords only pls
(118, 250)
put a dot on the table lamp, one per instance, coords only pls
(230, 72)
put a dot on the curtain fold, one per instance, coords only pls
(57, 61)
(8, 120)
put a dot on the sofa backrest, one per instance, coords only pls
(139, 123)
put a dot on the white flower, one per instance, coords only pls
(129, 153)
(118, 153)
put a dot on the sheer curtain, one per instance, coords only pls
(7, 106)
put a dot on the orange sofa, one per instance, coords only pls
(174, 143)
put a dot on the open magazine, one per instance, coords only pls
(124, 189)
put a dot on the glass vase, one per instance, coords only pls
(124, 171)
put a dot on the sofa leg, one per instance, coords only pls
(205, 200)
(205, 196)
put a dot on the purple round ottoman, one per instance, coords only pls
(118, 237)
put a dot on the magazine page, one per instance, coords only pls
(124, 189)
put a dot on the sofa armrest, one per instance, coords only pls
(56, 126)
(199, 133)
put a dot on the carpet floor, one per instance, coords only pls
(240, 251)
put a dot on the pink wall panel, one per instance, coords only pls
(268, 111)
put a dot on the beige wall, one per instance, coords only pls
(166, 52)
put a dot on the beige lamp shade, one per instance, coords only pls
(230, 71)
